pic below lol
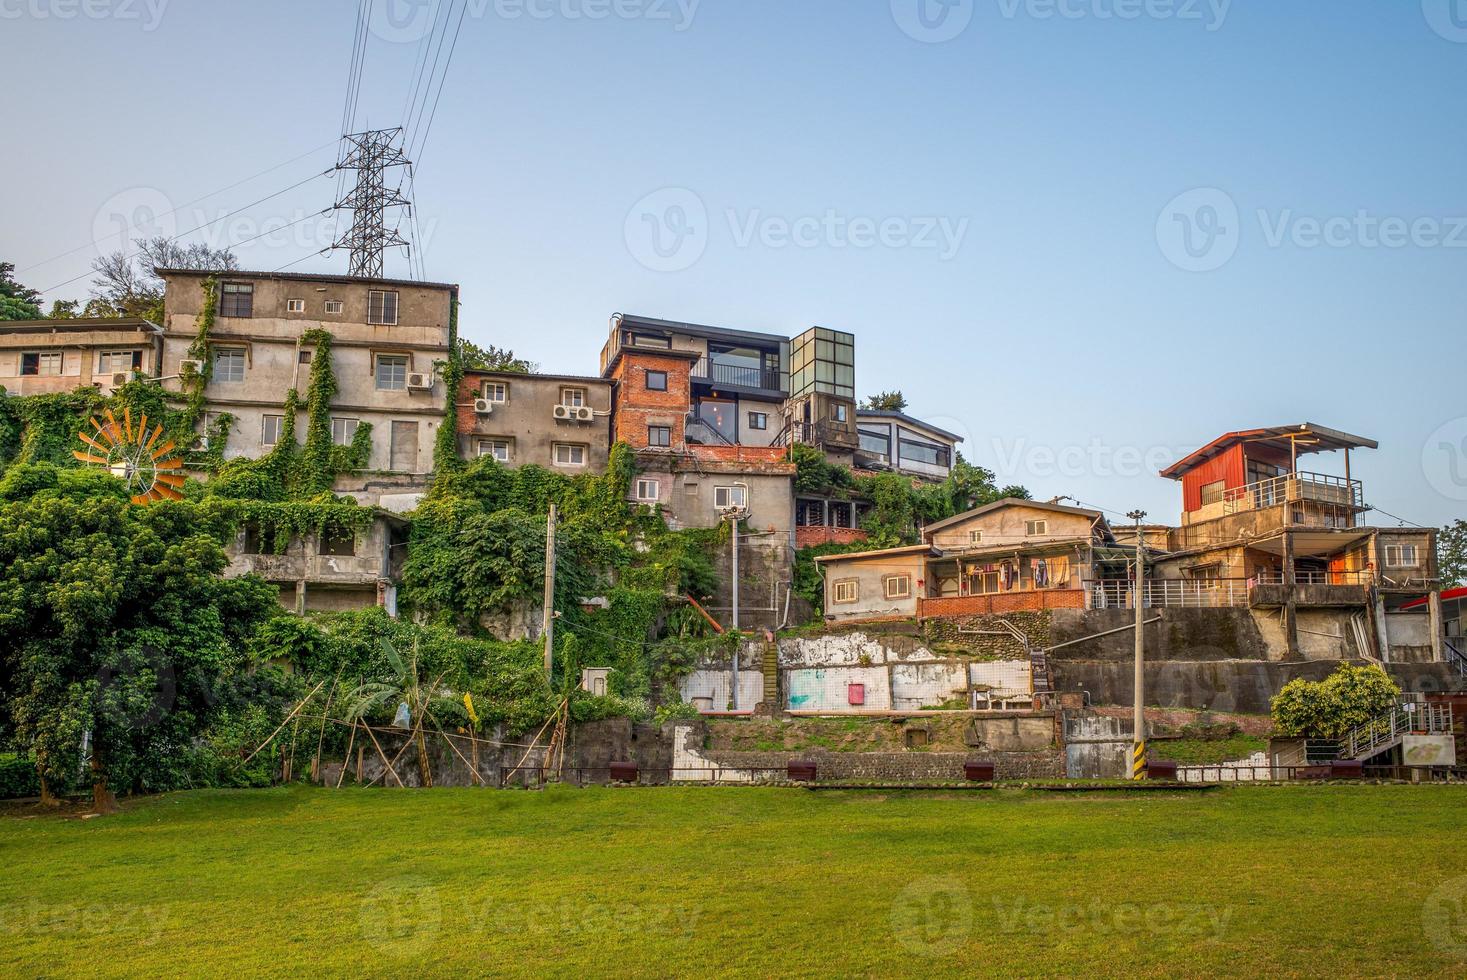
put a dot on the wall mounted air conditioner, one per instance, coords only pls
(562, 412)
(420, 382)
(483, 406)
(188, 366)
(583, 414)
(119, 379)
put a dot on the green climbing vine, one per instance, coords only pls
(446, 460)
(194, 381)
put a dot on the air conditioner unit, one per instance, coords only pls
(483, 406)
(120, 378)
(583, 414)
(420, 382)
(187, 366)
(562, 412)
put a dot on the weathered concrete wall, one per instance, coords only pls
(712, 690)
(900, 766)
(1244, 686)
(1097, 747)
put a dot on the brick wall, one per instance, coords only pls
(741, 453)
(1001, 603)
(811, 537)
(637, 408)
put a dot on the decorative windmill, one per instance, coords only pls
(132, 454)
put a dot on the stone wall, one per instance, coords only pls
(901, 767)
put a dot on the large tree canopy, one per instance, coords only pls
(120, 638)
(17, 302)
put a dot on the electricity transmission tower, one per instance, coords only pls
(370, 154)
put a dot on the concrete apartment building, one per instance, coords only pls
(559, 421)
(389, 340)
(331, 572)
(46, 356)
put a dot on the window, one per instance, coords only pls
(212, 421)
(270, 427)
(304, 357)
(1036, 529)
(725, 498)
(847, 591)
(237, 299)
(875, 441)
(656, 380)
(382, 306)
(333, 306)
(295, 306)
(569, 454)
(649, 340)
(119, 361)
(758, 420)
(691, 489)
(839, 413)
(1212, 493)
(573, 397)
(975, 537)
(659, 435)
(229, 364)
(392, 372)
(258, 540)
(342, 543)
(343, 431)
(495, 391)
(898, 586)
(498, 448)
(1402, 556)
(40, 364)
(648, 489)
(925, 452)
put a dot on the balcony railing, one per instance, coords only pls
(1313, 577)
(740, 375)
(1168, 593)
(1318, 488)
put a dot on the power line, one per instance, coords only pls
(196, 200)
(137, 251)
(442, 79)
(372, 153)
(417, 110)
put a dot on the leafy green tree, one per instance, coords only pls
(121, 640)
(492, 358)
(17, 302)
(887, 401)
(1331, 708)
(1451, 554)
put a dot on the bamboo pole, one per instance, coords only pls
(294, 711)
(345, 759)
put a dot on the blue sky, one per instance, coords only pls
(1090, 234)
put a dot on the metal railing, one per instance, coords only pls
(1384, 731)
(1313, 577)
(702, 432)
(742, 375)
(1452, 647)
(1317, 487)
(1168, 593)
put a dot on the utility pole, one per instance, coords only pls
(734, 520)
(370, 154)
(1138, 731)
(548, 627)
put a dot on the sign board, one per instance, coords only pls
(1429, 750)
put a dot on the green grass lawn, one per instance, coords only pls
(1245, 881)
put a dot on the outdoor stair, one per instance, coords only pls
(771, 675)
(1386, 730)
(1038, 662)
